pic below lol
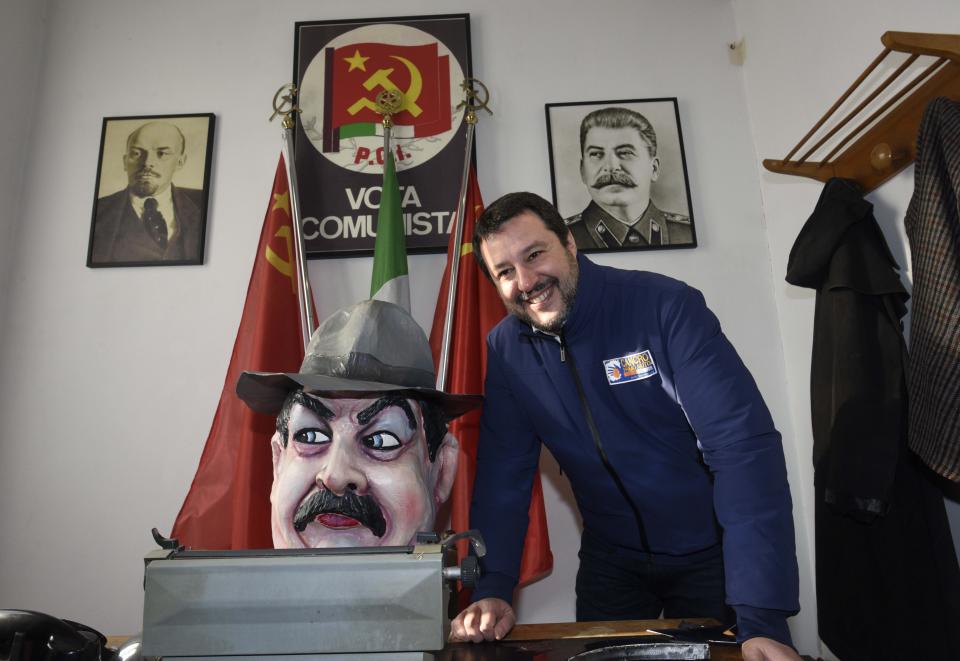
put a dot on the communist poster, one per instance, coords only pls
(340, 68)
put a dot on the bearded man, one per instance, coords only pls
(677, 468)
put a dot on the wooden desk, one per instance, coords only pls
(556, 642)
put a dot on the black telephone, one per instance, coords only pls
(32, 636)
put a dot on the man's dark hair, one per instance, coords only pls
(510, 206)
(434, 418)
(618, 118)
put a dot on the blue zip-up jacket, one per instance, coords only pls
(694, 396)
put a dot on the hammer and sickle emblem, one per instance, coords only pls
(381, 78)
(285, 266)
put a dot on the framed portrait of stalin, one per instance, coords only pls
(619, 174)
(150, 200)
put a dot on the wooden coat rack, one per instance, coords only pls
(889, 145)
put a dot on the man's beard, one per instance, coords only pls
(362, 508)
(143, 185)
(614, 178)
(566, 287)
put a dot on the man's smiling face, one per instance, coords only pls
(356, 472)
(535, 274)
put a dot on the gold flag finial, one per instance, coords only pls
(475, 99)
(285, 104)
(388, 103)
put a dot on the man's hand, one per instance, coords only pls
(767, 649)
(487, 619)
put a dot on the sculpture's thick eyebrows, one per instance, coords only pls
(314, 404)
(367, 414)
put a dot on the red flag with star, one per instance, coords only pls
(358, 72)
(228, 504)
(477, 309)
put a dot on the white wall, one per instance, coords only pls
(22, 33)
(110, 377)
(800, 57)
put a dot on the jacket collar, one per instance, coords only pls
(841, 245)
(841, 205)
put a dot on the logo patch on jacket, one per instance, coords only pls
(632, 367)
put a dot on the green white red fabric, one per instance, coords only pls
(391, 280)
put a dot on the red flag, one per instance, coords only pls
(361, 71)
(477, 309)
(228, 505)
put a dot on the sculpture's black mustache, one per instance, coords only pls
(362, 508)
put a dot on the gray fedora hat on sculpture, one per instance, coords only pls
(370, 347)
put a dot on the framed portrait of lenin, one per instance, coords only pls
(150, 199)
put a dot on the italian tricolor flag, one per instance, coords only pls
(391, 281)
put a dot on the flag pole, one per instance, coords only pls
(284, 103)
(472, 103)
(387, 103)
(390, 278)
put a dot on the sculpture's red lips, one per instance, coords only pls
(337, 521)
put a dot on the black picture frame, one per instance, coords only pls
(622, 214)
(132, 166)
(339, 178)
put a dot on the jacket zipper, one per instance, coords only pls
(595, 433)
